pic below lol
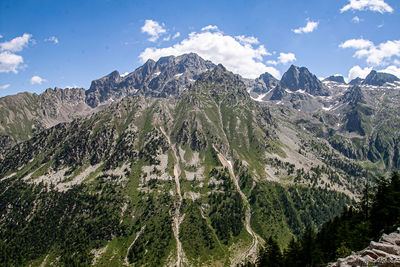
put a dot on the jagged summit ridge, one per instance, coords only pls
(168, 77)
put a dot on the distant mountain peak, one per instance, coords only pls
(300, 78)
(335, 78)
(379, 78)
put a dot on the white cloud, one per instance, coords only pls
(37, 80)
(176, 35)
(372, 5)
(6, 85)
(210, 28)
(356, 19)
(167, 38)
(357, 44)
(376, 55)
(247, 40)
(52, 39)
(244, 59)
(310, 27)
(357, 71)
(1, 36)
(272, 62)
(10, 62)
(16, 44)
(285, 58)
(392, 70)
(154, 29)
(124, 74)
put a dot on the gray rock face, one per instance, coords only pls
(386, 252)
(265, 83)
(356, 81)
(278, 93)
(296, 78)
(168, 77)
(379, 78)
(338, 79)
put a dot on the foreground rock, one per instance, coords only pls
(386, 252)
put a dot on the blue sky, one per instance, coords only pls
(70, 43)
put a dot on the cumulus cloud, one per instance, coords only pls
(210, 28)
(10, 62)
(154, 29)
(310, 27)
(244, 59)
(16, 44)
(52, 39)
(357, 71)
(371, 5)
(357, 44)
(176, 35)
(6, 85)
(376, 55)
(392, 70)
(247, 39)
(37, 80)
(283, 58)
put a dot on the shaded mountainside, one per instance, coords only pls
(164, 182)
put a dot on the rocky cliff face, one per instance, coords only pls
(296, 78)
(385, 252)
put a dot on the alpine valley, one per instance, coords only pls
(183, 163)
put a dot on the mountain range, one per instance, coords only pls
(183, 162)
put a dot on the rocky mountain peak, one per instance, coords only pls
(264, 83)
(335, 78)
(379, 78)
(296, 78)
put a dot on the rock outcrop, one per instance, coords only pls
(386, 252)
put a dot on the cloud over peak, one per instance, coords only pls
(371, 5)
(310, 27)
(243, 57)
(154, 29)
